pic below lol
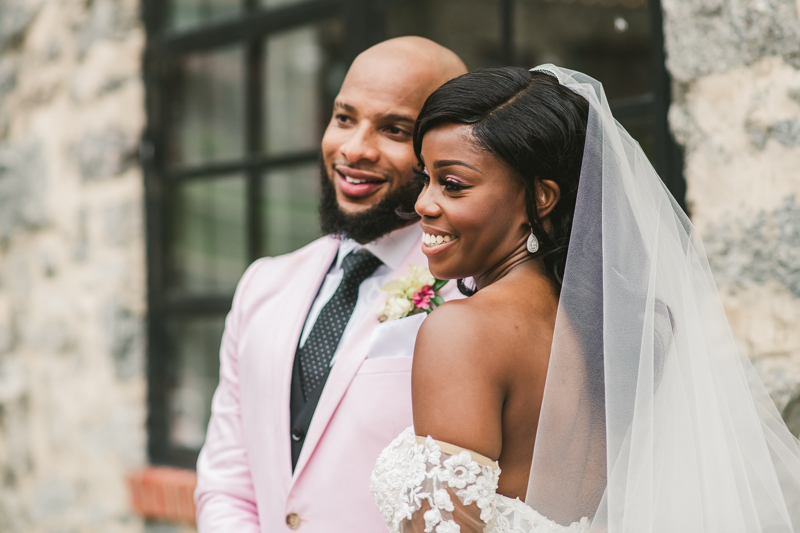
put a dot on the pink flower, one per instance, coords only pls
(422, 298)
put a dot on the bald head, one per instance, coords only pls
(421, 56)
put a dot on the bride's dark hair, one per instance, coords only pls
(531, 123)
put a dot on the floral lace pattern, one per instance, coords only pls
(409, 474)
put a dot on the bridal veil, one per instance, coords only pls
(652, 421)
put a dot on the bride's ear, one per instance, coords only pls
(548, 194)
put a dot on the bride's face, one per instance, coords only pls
(472, 207)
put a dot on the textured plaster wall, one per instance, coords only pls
(736, 110)
(72, 287)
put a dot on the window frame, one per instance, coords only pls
(364, 24)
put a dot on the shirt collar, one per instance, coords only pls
(391, 249)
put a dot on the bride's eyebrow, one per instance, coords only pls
(456, 162)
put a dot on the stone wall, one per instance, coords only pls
(736, 110)
(72, 264)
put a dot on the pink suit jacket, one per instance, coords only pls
(245, 479)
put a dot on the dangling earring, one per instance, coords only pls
(533, 243)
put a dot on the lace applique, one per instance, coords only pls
(409, 474)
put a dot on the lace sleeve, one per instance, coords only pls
(414, 480)
(419, 487)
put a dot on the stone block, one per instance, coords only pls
(107, 19)
(13, 518)
(124, 339)
(705, 36)
(17, 17)
(52, 498)
(759, 249)
(22, 187)
(123, 224)
(8, 77)
(13, 382)
(106, 153)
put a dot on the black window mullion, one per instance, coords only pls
(199, 305)
(253, 25)
(153, 162)
(254, 135)
(255, 163)
(507, 32)
(357, 23)
(669, 159)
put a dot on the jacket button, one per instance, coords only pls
(293, 520)
(298, 434)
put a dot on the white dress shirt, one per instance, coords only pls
(390, 249)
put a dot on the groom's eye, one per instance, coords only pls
(396, 131)
(343, 119)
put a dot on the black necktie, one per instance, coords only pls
(318, 350)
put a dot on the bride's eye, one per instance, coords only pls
(451, 185)
(421, 177)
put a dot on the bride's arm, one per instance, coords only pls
(458, 391)
(457, 380)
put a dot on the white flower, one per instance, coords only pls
(448, 526)
(416, 278)
(459, 470)
(421, 276)
(441, 499)
(395, 307)
(432, 517)
(432, 452)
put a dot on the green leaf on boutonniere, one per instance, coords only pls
(439, 283)
(437, 300)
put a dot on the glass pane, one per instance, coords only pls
(304, 70)
(642, 129)
(470, 28)
(195, 342)
(208, 252)
(184, 14)
(607, 39)
(208, 108)
(289, 208)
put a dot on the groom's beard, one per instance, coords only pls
(392, 212)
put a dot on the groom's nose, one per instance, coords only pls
(362, 145)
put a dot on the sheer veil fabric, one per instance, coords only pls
(652, 421)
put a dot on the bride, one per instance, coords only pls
(591, 381)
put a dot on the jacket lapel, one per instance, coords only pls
(348, 361)
(309, 277)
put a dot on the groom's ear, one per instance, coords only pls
(548, 193)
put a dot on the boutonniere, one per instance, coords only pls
(416, 292)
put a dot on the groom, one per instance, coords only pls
(312, 388)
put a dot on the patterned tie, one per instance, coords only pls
(318, 350)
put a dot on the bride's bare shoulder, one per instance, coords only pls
(468, 355)
(496, 321)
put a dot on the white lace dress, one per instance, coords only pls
(421, 484)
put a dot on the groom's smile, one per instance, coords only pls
(355, 183)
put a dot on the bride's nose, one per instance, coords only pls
(426, 205)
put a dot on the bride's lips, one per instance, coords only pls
(435, 241)
(358, 183)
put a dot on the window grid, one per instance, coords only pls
(364, 23)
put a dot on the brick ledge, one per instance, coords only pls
(163, 493)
